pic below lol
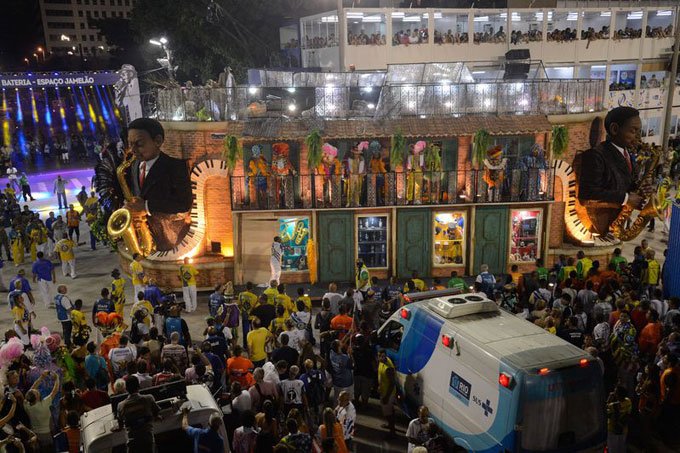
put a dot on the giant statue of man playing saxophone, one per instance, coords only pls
(160, 185)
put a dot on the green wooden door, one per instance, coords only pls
(414, 242)
(335, 246)
(491, 239)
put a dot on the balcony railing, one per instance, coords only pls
(389, 189)
(393, 101)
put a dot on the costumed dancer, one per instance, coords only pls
(118, 292)
(355, 170)
(494, 165)
(533, 167)
(275, 261)
(330, 169)
(415, 164)
(433, 166)
(258, 172)
(377, 168)
(282, 169)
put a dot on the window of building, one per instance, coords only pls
(515, 147)
(87, 2)
(660, 24)
(294, 234)
(596, 71)
(595, 25)
(120, 2)
(80, 14)
(653, 79)
(622, 77)
(450, 28)
(449, 238)
(104, 14)
(61, 2)
(526, 27)
(651, 126)
(80, 2)
(489, 28)
(91, 37)
(560, 72)
(409, 28)
(112, 2)
(628, 25)
(128, 14)
(674, 125)
(319, 32)
(366, 29)
(96, 14)
(83, 37)
(127, 2)
(525, 235)
(82, 26)
(58, 12)
(562, 26)
(120, 13)
(63, 25)
(372, 240)
(94, 2)
(88, 14)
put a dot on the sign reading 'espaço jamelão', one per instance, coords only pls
(56, 80)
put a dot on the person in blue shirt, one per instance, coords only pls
(64, 306)
(103, 305)
(216, 301)
(207, 440)
(25, 286)
(43, 272)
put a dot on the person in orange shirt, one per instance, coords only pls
(651, 334)
(670, 397)
(342, 323)
(73, 223)
(610, 274)
(240, 369)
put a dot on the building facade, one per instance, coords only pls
(67, 28)
(627, 46)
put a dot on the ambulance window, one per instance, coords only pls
(391, 335)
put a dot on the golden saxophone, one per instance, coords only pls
(651, 209)
(132, 228)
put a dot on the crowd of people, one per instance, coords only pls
(620, 313)
(448, 37)
(627, 33)
(489, 36)
(659, 32)
(317, 42)
(296, 377)
(566, 35)
(415, 36)
(364, 39)
(524, 37)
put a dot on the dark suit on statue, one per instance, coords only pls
(604, 181)
(167, 191)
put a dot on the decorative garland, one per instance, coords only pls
(397, 150)
(313, 142)
(480, 143)
(559, 141)
(98, 228)
(232, 151)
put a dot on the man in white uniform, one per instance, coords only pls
(275, 262)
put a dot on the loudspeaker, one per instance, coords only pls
(518, 54)
(215, 247)
(516, 71)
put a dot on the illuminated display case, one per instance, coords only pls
(525, 235)
(372, 240)
(449, 230)
(294, 233)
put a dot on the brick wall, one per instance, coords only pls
(218, 215)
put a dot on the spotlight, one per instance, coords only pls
(292, 107)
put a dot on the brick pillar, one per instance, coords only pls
(464, 164)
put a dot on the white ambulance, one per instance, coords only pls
(492, 381)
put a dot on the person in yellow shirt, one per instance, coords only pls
(118, 292)
(278, 324)
(21, 320)
(257, 339)
(304, 298)
(583, 265)
(34, 238)
(137, 273)
(145, 306)
(247, 300)
(81, 331)
(418, 284)
(10, 193)
(271, 292)
(284, 299)
(651, 274)
(188, 273)
(17, 245)
(68, 259)
(387, 388)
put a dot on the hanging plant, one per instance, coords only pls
(397, 149)
(313, 143)
(232, 151)
(203, 115)
(480, 143)
(559, 141)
